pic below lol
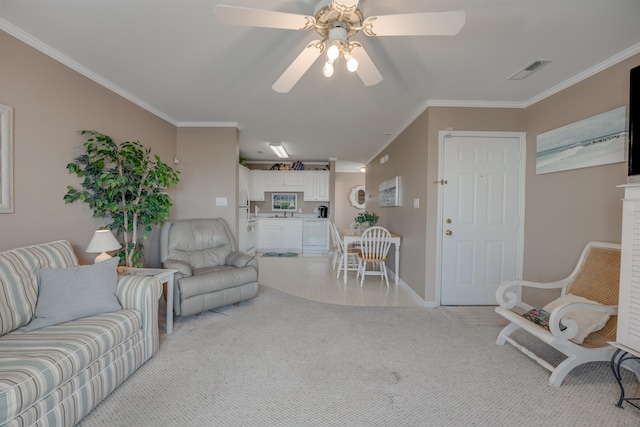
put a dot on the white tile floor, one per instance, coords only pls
(311, 277)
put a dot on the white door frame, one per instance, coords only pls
(442, 135)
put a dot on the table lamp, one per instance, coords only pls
(101, 242)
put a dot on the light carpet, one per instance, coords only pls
(473, 316)
(279, 360)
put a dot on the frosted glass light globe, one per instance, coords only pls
(352, 64)
(327, 70)
(333, 52)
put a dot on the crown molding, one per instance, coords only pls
(625, 54)
(207, 125)
(474, 104)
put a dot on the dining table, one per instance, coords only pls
(349, 237)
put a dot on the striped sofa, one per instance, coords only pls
(54, 376)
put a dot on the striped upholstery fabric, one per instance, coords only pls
(56, 375)
(142, 293)
(33, 364)
(69, 403)
(19, 279)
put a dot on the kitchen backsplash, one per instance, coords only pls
(307, 207)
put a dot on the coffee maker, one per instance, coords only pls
(323, 211)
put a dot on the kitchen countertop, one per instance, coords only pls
(281, 216)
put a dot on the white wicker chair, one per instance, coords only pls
(595, 277)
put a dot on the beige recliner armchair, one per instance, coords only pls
(210, 271)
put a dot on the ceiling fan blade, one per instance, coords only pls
(262, 18)
(367, 70)
(415, 24)
(298, 67)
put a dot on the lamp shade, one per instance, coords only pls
(101, 242)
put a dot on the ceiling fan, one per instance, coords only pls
(336, 21)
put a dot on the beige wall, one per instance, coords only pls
(208, 170)
(408, 156)
(563, 210)
(50, 104)
(344, 212)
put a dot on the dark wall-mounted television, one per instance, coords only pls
(634, 126)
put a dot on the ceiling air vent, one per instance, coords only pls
(529, 69)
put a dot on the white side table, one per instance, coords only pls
(166, 276)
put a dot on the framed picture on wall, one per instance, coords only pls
(287, 202)
(389, 192)
(597, 140)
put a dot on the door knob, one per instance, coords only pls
(448, 233)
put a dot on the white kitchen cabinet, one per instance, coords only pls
(280, 234)
(628, 330)
(316, 186)
(257, 185)
(287, 181)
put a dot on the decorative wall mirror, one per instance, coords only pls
(357, 196)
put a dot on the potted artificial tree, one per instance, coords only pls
(124, 183)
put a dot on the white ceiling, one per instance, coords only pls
(175, 59)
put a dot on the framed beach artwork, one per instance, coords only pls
(598, 140)
(388, 192)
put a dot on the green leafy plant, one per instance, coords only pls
(371, 218)
(124, 183)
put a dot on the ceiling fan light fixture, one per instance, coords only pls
(352, 63)
(337, 21)
(327, 70)
(333, 51)
(279, 150)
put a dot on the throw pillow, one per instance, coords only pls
(588, 320)
(67, 294)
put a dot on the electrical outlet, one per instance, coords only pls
(416, 203)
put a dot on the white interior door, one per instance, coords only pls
(482, 215)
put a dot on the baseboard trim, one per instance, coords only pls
(407, 288)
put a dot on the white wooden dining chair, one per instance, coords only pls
(335, 244)
(342, 252)
(374, 247)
